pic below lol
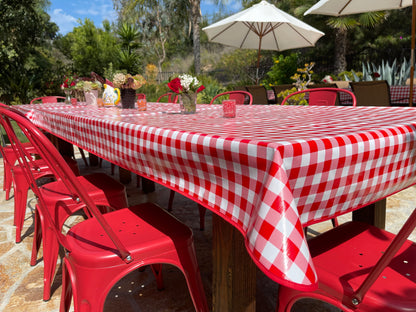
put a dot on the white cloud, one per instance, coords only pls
(64, 21)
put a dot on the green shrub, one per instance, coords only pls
(282, 69)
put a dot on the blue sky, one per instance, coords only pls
(67, 13)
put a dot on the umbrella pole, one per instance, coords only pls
(412, 53)
(258, 61)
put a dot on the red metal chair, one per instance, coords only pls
(48, 99)
(101, 250)
(99, 186)
(237, 95)
(172, 97)
(13, 175)
(321, 96)
(361, 268)
(55, 99)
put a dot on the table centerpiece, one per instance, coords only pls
(187, 87)
(128, 85)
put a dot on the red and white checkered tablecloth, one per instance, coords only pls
(270, 171)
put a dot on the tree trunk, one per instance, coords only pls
(340, 50)
(195, 16)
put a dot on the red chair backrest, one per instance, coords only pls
(47, 99)
(62, 172)
(172, 98)
(322, 96)
(238, 95)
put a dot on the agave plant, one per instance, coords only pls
(394, 74)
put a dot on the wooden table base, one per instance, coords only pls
(234, 273)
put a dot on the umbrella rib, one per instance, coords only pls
(225, 29)
(343, 8)
(307, 40)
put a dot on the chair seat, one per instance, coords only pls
(363, 245)
(103, 188)
(141, 228)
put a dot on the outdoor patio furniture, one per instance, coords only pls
(105, 190)
(14, 175)
(319, 96)
(264, 180)
(171, 97)
(371, 93)
(259, 94)
(361, 268)
(101, 250)
(238, 95)
(47, 99)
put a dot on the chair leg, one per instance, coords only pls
(66, 295)
(21, 188)
(112, 168)
(83, 157)
(37, 239)
(171, 197)
(202, 212)
(7, 180)
(193, 278)
(157, 271)
(334, 222)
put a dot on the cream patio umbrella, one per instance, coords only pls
(345, 7)
(263, 26)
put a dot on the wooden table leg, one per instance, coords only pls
(124, 175)
(374, 214)
(93, 160)
(234, 273)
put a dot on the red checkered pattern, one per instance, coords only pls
(270, 171)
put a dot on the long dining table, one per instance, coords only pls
(268, 173)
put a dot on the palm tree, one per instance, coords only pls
(129, 58)
(342, 25)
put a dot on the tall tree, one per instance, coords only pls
(25, 31)
(162, 20)
(91, 48)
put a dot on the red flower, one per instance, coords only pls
(200, 89)
(175, 85)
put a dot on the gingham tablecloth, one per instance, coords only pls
(269, 172)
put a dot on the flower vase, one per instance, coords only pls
(67, 96)
(128, 98)
(188, 103)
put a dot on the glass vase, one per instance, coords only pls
(67, 96)
(188, 103)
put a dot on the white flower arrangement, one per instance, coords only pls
(189, 83)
